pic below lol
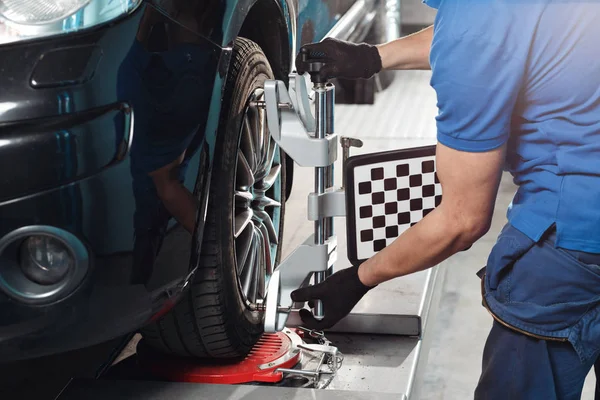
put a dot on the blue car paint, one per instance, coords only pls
(97, 201)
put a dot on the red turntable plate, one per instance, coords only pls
(272, 351)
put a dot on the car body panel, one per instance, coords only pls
(77, 146)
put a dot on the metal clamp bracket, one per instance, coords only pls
(295, 272)
(332, 203)
(293, 127)
(311, 142)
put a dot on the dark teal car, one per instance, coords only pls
(139, 187)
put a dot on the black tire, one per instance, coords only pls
(289, 176)
(213, 320)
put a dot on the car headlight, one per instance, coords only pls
(29, 19)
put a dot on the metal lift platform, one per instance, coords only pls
(375, 366)
(384, 341)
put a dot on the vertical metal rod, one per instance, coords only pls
(393, 19)
(321, 132)
(320, 178)
(330, 129)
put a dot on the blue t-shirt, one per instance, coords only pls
(527, 73)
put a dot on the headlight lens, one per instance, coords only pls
(28, 19)
(39, 11)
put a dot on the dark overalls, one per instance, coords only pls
(525, 75)
(546, 333)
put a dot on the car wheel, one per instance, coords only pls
(244, 226)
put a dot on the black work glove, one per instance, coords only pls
(339, 294)
(342, 59)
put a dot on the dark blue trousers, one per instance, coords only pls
(548, 302)
(519, 367)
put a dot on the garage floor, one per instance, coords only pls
(404, 115)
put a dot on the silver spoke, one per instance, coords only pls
(241, 222)
(265, 202)
(261, 274)
(254, 130)
(248, 145)
(267, 162)
(266, 219)
(268, 260)
(259, 125)
(249, 272)
(243, 244)
(265, 135)
(243, 198)
(258, 266)
(269, 181)
(245, 177)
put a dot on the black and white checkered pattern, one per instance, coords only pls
(389, 198)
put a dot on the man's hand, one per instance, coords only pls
(339, 294)
(342, 59)
(354, 61)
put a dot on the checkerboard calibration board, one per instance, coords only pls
(389, 197)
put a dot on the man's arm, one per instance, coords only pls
(469, 181)
(469, 184)
(407, 53)
(344, 59)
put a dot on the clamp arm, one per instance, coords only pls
(309, 139)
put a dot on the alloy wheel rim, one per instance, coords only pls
(257, 202)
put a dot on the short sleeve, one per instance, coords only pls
(477, 77)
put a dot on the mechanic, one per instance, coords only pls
(518, 88)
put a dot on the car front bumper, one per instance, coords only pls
(83, 119)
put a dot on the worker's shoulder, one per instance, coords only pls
(512, 24)
(505, 25)
(497, 12)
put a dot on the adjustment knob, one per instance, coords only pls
(313, 66)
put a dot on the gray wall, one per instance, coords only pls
(414, 12)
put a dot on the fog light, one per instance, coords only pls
(45, 260)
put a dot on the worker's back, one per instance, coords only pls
(530, 74)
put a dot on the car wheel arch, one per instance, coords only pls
(266, 25)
